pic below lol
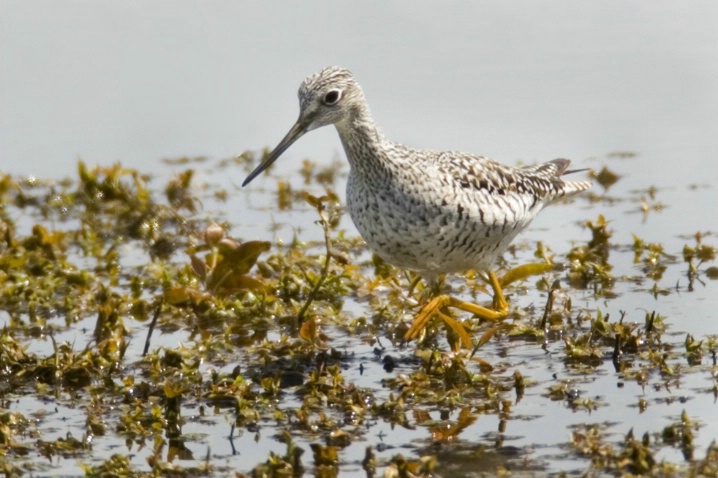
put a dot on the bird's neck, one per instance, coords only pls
(364, 145)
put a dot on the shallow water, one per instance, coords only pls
(109, 82)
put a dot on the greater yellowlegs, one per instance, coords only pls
(427, 211)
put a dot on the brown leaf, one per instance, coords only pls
(237, 282)
(325, 455)
(312, 200)
(466, 418)
(237, 262)
(484, 366)
(486, 336)
(199, 267)
(308, 330)
(421, 416)
(246, 255)
(315, 202)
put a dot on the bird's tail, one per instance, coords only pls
(554, 170)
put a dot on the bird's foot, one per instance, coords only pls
(500, 302)
(512, 275)
(499, 310)
(435, 309)
(523, 271)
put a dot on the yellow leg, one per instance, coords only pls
(500, 305)
(524, 271)
(433, 308)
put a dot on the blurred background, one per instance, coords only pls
(522, 81)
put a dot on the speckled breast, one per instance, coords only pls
(413, 227)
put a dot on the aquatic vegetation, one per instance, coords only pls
(146, 333)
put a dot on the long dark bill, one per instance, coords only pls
(294, 134)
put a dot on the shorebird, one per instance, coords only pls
(430, 212)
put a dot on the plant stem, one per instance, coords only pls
(325, 269)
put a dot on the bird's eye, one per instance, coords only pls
(332, 97)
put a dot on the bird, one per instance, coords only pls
(431, 212)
